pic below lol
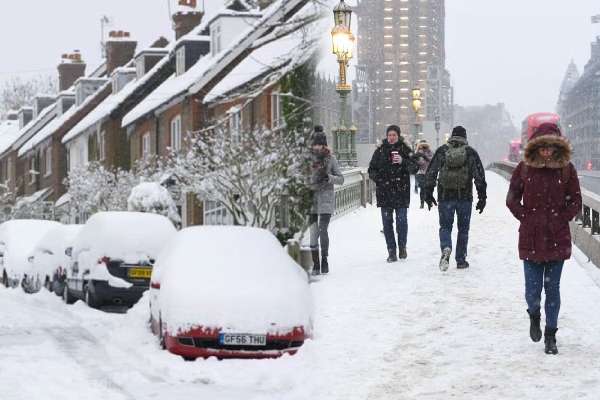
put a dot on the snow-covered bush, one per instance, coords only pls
(151, 197)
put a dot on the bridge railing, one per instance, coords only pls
(585, 229)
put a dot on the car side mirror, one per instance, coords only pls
(69, 251)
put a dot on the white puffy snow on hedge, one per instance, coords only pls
(17, 240)
(236, 278)
(155, 198)
(127, 236)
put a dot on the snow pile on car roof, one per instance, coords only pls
(235, 278)
(126, 236)
(49, 251)
(19, 238)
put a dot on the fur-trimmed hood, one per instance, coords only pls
(423, 147)
(560, 158)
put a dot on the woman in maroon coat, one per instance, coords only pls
(544, 195)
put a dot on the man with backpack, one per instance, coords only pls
(453, 168)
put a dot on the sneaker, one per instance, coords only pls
(392, 256)
(445, 259)
(462, 265)
(402, 253)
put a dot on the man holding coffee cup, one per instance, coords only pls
(390, 169)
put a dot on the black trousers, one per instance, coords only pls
(319, 225)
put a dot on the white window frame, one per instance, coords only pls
(146, 145)
(235, 126)
(215, 38)
(48, 161)
(9, 168)
(176, 133)
(140, 67)
(180, 61)
(102, 145)
(275, 110)
(32, 170)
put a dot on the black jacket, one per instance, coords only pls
(476, 173)
(392, 180)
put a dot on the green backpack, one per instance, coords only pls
(454, 174)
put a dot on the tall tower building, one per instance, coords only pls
(401, 45)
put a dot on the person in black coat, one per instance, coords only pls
(390, 169)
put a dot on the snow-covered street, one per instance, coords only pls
(383, 331)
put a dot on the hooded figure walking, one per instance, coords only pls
(390, 169)
(325, 173)
(423, 156)
(544, 195)
(453, 168)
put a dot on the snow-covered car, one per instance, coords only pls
(229, 292)
(49, 259)
(17, 240)
(112, 257)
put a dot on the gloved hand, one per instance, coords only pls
(430, 201)
(480, 205)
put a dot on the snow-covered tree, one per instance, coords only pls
(152, 197)
(17, 92)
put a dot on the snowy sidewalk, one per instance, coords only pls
(383, 331)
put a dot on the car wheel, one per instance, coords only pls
(188, 358)
(90, 300)
(67, 296)
(4, 278)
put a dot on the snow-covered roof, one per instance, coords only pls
(56, 123)
(286, 51)
(112, 102)
(209, 66)
(42, 119)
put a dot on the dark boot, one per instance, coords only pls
(316, 263)
(324, 265)
(392, 256)
(422, 204)
(535, 331)
(402, 253)
(550, 340)
(462, 265)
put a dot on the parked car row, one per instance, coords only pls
(227, 292)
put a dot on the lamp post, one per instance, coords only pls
(343, 48)
(416, 105)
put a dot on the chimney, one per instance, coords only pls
(120, 49)
(70, 69)
(187, 16)
(25, 116)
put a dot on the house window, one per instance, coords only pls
(9, 169)
(146, 145)
(180, 61)
(176, 133)
(32, 170)
(215, 38)
(235, 125)
(102, 145)
(48, 160)
(276, 119)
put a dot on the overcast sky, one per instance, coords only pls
(511, 51)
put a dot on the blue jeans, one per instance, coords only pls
(462, 209)
(544, 275)
(387, 216)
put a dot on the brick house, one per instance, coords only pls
(204, 59)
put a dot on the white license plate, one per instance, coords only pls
(234, 339)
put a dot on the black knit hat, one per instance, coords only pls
(459, 131)
(319, 138)
(394, 128)
(319, 128)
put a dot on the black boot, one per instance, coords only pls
(402, 253)
(316, 263)
(550, 340)
(324, 265)
(392, 256)
(535, 331)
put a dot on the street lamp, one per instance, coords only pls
(343, 47)
(416, 105)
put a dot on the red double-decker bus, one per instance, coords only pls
(533, 121)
